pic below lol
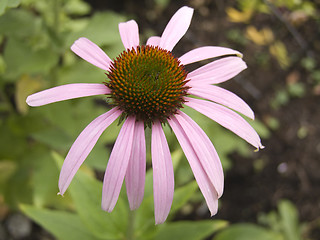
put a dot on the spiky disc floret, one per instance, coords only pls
(147, 82)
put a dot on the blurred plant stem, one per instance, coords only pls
(130, 228)
(56, 13)
(5, 97)
(55, 34)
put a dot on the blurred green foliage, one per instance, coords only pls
(35, 55)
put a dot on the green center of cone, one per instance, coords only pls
(147, 82)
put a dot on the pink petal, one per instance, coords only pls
(66, 92)
(90, 52)
(222, 96)
(205, 184)
(153, 41)
(117, 165)
(176, 28)
(227, 118)
(204, 150)
(83, 146)
(129, 33)
(218, 71)
(163, 179)
(136, 171)
(206, 52)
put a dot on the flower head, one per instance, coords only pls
(148, 86)
(147, 82)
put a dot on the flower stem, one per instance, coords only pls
(56, 15)
(130, 228)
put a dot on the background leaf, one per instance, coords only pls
(19, 23)
(4, 4)
(289, 219)
(86, 192)
(20, 59)
(63, 225)
(190, 230)
(97, 30)
(244, 231)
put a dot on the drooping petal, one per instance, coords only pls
(222, 96)
(117, 165)
(83, 146)
(163, 179)
(204, 150)
(206, 186)
(176, 28)
(218, 71)
(129, 33)
(153, 41)
(136, 171)
(90, 52)
(227, 118)
(206, 52)
(65, 92)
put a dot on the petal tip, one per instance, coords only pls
(259, 148)
(106, 207)
(76, 42)
(186, 8)
(214, 212)
(133, 207)
(251, 115)
(29, 101)
(239, 54)
(60, 194)
(159, 221)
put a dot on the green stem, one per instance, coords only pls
(56, 13)
(130, 228)
(6, 99)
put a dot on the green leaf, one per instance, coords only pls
(4, 4)
(289, 220)
(183, 195)
(19, 23)
(21, 58)
(102, 29)
(98, 157)
(261, 129)
(245, 231)
(190, 230)
(162, 3)
(63, 225)
(20, 189)
(7, 168)
(3, 65)
(86, 194)
(308, 63)
(34, 179)
(54, 138)
(144, 215)
(176, 156)
(25, 86)
(77, 7)
(297, 89)
(70, 116)
(281, 98)
(45, 181)
(13, 3)
(80, 72)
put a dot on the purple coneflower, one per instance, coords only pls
(147, 87)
